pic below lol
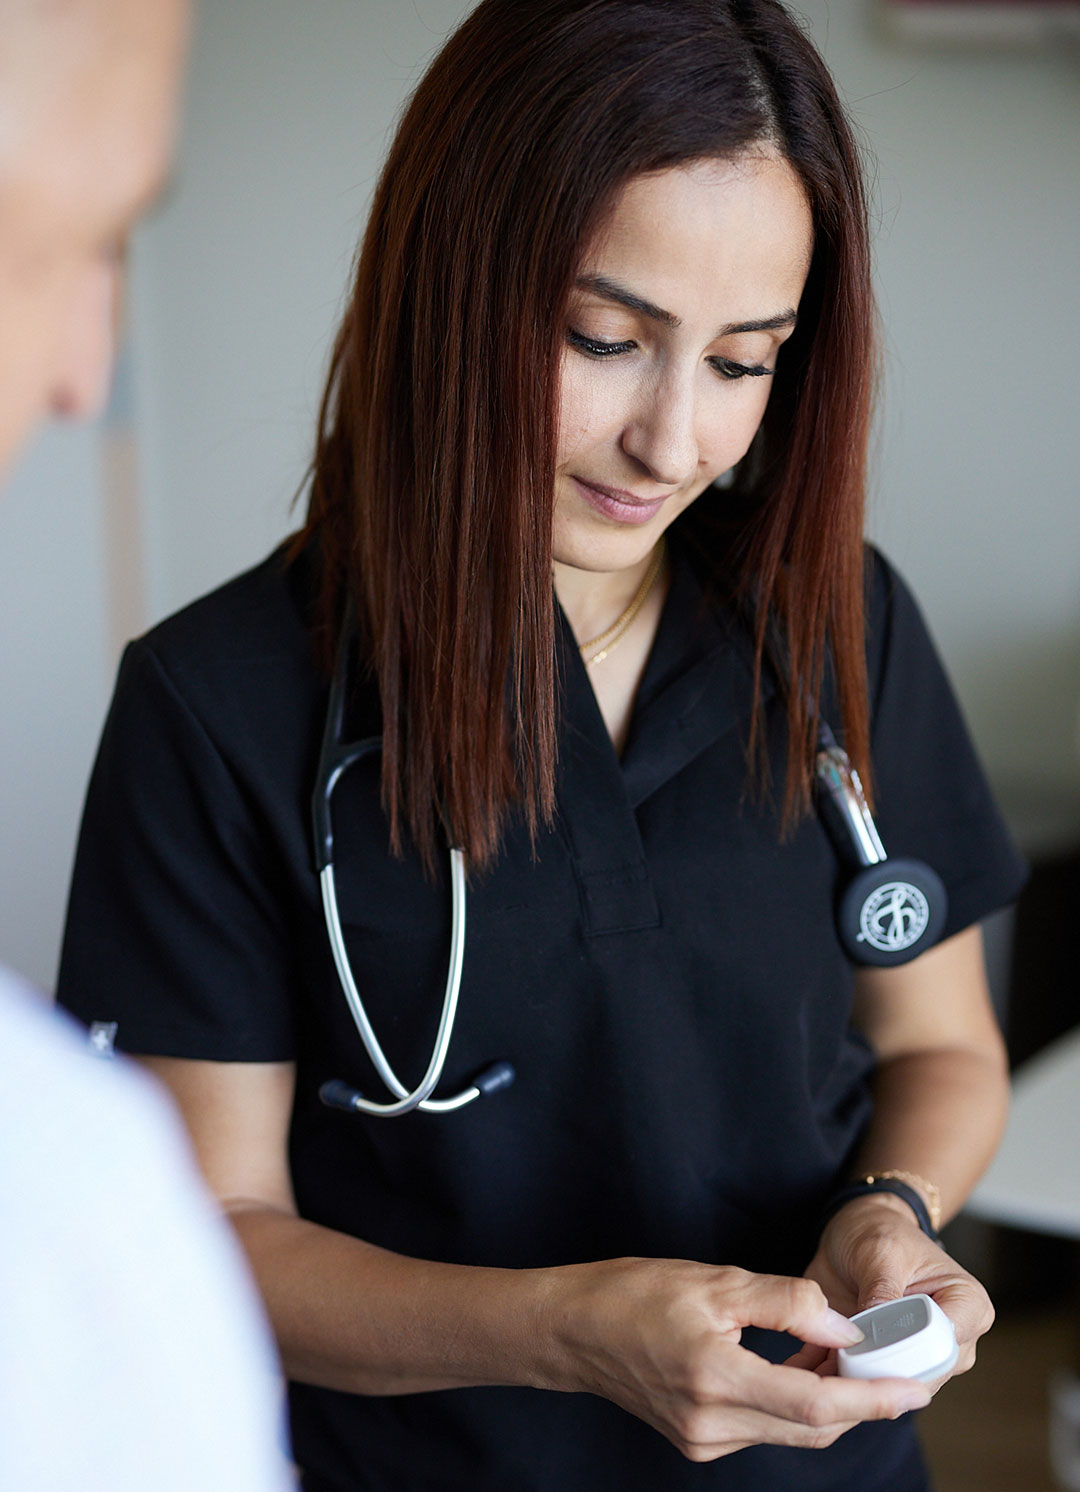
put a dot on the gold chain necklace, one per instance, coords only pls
(610, 639)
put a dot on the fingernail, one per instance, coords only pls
(846, 1330)
(913, 1401)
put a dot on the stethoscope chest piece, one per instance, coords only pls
(891, 912)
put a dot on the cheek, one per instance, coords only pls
(591, 406)
(22, 406)
(94, 323)
(33, 326)
(734, 424)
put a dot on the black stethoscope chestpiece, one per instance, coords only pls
(889, 911)
(892, 912)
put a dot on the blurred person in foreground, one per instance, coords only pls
(131, 1352)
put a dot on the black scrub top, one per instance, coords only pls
(663, 971)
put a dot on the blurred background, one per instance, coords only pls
(238, 282)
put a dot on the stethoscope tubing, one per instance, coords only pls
(842, 793)
(334, 758)
(420, 1096)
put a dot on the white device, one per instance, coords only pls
(907, 1338)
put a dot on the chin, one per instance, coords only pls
(583, 547)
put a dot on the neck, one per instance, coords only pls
(593, 599)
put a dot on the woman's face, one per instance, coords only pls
(684, 298)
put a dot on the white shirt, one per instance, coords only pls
(132, 1351)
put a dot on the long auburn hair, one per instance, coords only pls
(433, 478)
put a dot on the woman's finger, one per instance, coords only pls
(965, 1302)
(796, 1306)
(809, 1357)
(781, 1405)
(736, 1429)
(814, 1401)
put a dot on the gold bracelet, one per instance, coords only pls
(927, 1190)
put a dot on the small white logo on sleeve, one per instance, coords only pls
(103, 1038)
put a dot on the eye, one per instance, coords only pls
(593, 347)
(731, 372)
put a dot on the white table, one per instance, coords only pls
(1034, 1180)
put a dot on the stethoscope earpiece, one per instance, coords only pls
(337, 1094)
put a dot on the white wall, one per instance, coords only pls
(54, 682)
(239, 282)
(978, 257)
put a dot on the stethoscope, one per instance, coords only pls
(335, 757)
(887, 912)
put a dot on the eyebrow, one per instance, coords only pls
(611, 290)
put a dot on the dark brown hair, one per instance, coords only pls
(433, 480)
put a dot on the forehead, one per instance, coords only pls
(89, 92)
(711, 235)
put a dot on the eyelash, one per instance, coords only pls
(729, 371)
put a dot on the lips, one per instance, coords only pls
(618, 505)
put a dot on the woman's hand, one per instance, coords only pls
(873, 1250)
(660, 1338)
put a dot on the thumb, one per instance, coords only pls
(881, 1287)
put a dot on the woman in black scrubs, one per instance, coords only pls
(612, 324)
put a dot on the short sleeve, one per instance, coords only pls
(176, 929)
(933, 802)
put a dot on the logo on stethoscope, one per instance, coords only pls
(894, 917)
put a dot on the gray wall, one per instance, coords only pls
(54, 673)
(239, 281)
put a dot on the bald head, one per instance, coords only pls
(87, 99)
(49, 51)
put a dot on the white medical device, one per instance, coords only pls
(907, 1338)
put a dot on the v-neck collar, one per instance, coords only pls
(697, 684)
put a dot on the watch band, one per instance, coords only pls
(871, 1184)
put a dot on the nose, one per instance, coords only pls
(661, 433)
(88, 344)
